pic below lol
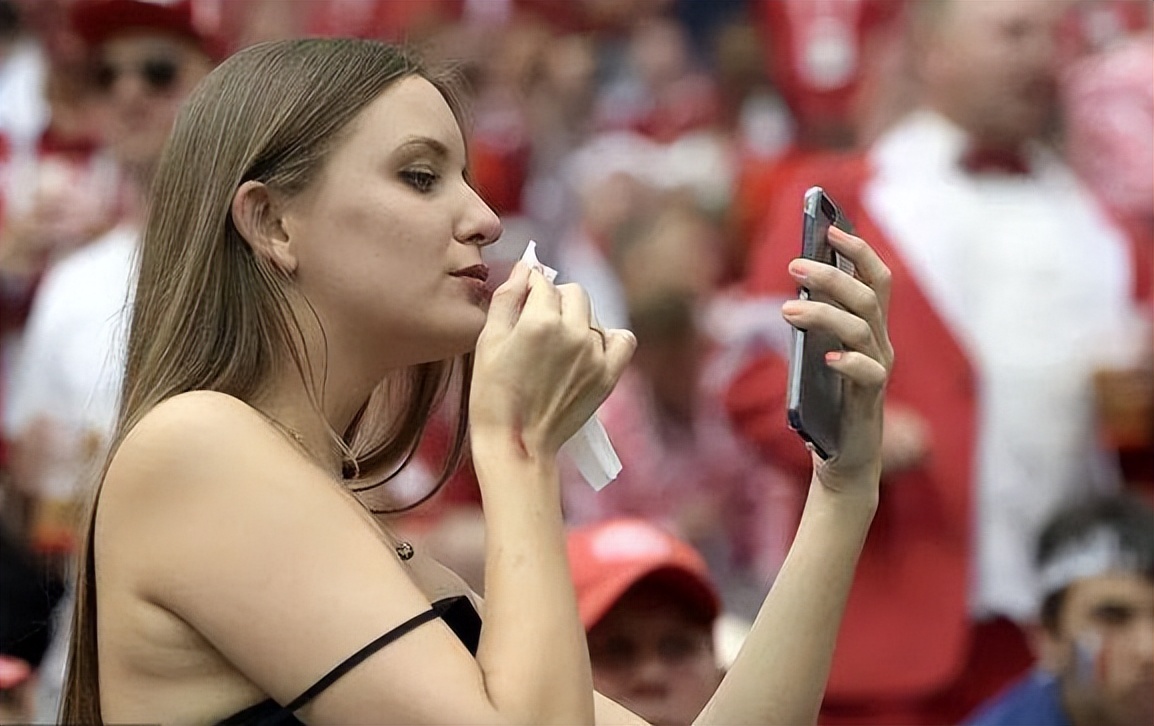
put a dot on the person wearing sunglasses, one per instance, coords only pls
(145, 58)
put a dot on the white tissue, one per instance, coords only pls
(590, 449)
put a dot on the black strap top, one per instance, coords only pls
(457, 612)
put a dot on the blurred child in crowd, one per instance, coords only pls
(649, 609)
(1095, 638)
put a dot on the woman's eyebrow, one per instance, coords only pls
(414, 143)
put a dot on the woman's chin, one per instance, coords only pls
(461, 340)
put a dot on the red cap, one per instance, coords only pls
(97, 21)
(609, 558)
(13, 672)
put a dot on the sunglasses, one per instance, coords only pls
(159, 74)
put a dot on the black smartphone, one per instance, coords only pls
(814, 390)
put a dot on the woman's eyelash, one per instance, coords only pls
(420, 179)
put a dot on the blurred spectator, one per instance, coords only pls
(659, 92)
(838, 66)
(65, 385)
(58, 192)
(23, 114)
(824, 55)
(649, 609)
(560, 107)
(1007, 279)
(1095, 641)
(611, 177)
(682, 466)
(1109, 97)
(1108, 103)
(146, 58)
(499, 142)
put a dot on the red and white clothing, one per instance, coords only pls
(1033, 279)
(71, 364)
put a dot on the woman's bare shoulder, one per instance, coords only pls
(202, 456)
(199, 435)
(188, 422)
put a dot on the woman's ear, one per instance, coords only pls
(257, 217)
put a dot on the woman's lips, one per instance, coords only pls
(476, 272)
(476, 277)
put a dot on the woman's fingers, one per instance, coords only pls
(865, 297)
(859, 368)
(854, 332)
(543, 300)
(508, 299)
(869, 267)
(575, 307)
(619, 347)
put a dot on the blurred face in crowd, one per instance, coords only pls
(1103, 650)
(143, 79)
(386, 241)
(650, 654)
(990, 65)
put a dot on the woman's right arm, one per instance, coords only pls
(540, 372)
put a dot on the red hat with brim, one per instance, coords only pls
(610, 558)
(97, 21)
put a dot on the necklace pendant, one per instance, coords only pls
(405, 551)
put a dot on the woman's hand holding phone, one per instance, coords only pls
(867, 359)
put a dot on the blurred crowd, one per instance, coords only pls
(998, 153)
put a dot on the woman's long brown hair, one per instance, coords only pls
(208, 314)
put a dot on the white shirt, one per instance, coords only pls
(23, 110)
(1032, 278)
(72, 359)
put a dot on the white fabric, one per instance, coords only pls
(72, 361)
(1096, 554)
(589, 448)
(1032, 278)
(23, 110)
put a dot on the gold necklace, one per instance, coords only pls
(404, 549)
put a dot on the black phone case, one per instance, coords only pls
(814, 390)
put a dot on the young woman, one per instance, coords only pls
(311, 274)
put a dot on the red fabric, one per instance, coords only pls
(983, 160)
(760, 179)
(461, 489)
(999, 653)
(95, 21)
(499, 173)
(818, 50)
(906, 629)
(608, 558)
(383, 19)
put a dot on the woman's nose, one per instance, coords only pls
(480, 225)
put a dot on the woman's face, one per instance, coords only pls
(388, 238)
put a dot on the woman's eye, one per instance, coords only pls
(419, 179)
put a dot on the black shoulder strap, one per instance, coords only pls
(357, 658)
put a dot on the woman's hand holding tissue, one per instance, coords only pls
(541, 367)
